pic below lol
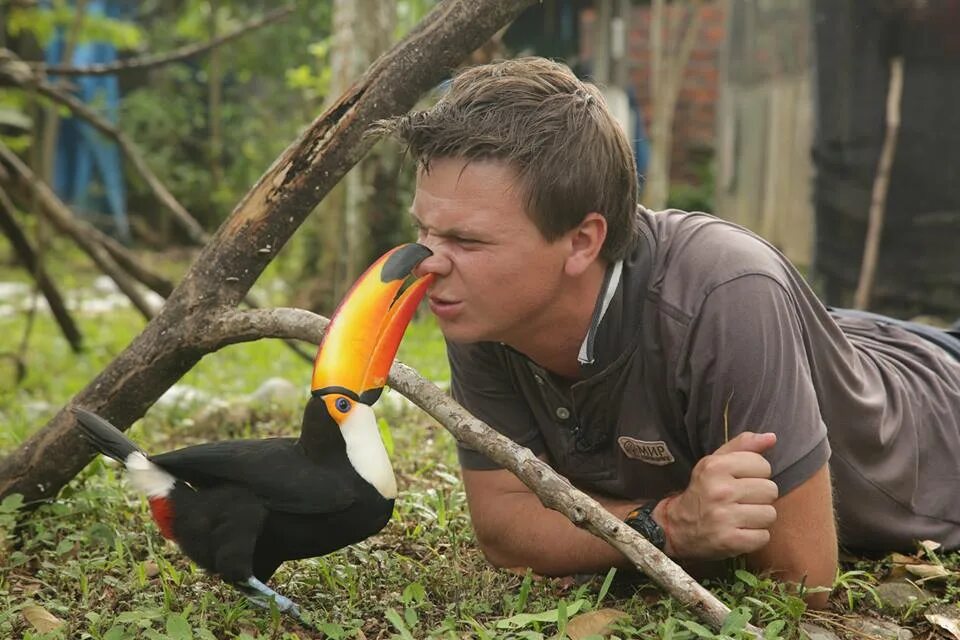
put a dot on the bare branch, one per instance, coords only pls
(554, 491)
(82, 233)
(159, 59)
(29, 259)
(12, 71)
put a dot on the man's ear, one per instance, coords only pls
(586, 240)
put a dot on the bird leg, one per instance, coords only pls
(261, 595)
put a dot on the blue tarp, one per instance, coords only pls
(88, 174)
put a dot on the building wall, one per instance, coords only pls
(695, 121)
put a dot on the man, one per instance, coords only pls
(672, 364)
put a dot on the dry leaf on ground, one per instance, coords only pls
(949, 623)
(593, 623)
(41, 619)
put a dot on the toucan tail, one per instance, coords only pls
(109, 440)
(145, 475)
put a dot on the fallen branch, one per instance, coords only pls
(155, 60)
(53, 209)
(554, 491)
(262, 222)
(29, 259)
(12, 71)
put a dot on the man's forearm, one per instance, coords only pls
(528, 534)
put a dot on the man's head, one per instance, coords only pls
(555, 132)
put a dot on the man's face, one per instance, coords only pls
(496, 276)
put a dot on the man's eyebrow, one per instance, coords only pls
(452, 232)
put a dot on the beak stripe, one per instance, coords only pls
(335, 389)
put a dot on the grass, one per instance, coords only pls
(93, 559)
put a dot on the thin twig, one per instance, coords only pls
(159, 59)
(60, 215)
(12, 71)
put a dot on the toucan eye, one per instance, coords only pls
(343, 405)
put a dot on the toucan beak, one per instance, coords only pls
(365, 331)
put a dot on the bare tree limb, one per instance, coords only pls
(12, 70)
(554, 491)
(155, 60)
(878, 197)
(30, 260)
(258, 228)
(83, 234)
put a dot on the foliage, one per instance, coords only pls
(697, 195)
(261, 110)
(42, 23)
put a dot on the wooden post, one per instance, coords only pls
(881, 182)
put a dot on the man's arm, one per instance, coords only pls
(803, 540)
(514, 529)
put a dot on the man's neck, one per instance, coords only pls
(555, 344)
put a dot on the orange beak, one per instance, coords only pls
(365, 332)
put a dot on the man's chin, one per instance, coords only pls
(456, 332)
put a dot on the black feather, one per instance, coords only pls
(109, 440)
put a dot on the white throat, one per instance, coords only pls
(366, 452)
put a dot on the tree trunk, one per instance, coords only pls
(248, 240)
(340, 236)
(671, 42)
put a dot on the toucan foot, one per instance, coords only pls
(262, 596)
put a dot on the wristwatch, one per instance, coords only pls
(641, 520)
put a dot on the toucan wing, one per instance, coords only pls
(276, 469)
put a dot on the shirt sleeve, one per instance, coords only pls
(482, 381)
(749, 370)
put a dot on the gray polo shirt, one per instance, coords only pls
(705, 331)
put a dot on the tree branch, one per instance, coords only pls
(52, 208)
(258, 228)
(29, 259)
(554, 491)
(12, 71)
(159, 59)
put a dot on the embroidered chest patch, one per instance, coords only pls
(651, 452)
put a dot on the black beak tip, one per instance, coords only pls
(402, 263)
(370, 396)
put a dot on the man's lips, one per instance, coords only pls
(443, 307)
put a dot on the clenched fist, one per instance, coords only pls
(727, 509)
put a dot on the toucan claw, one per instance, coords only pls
(260, 595)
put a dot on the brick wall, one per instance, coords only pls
(694, 126)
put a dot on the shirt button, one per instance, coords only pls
(539, 379)
(563, 413)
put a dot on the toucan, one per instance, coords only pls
(240, 508)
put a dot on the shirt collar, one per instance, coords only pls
(611, 280)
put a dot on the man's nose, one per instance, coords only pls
(437, 263)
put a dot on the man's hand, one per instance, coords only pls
(727, 509)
